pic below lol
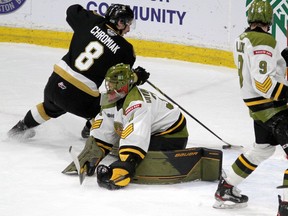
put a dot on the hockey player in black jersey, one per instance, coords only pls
(96, 45)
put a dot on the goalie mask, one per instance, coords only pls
(119, 80)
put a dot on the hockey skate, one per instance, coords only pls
(228, 196)
(21, 132)
(85, 133)
(283, 207)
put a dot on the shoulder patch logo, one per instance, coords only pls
(265, 52)
(8, 6)
(128, 110)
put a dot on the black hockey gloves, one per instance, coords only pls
(284, 54)
(142, 75)
(116, 176)
(89, 158)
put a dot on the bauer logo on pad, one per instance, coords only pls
(8, 6)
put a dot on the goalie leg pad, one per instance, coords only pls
(169, 167)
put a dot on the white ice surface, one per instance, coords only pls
(31, 182)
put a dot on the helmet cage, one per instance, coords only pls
(118, 82)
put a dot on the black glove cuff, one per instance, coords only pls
(104, 173)
(284, 54)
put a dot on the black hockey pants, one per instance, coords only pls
(60, 97)
(274, 131)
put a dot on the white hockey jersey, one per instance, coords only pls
(141, 115)
(262, 72)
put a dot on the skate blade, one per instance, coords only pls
(228, 205)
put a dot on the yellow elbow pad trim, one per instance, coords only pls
(120, 177)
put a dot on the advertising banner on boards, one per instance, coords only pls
(204, 23)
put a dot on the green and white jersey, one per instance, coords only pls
(132, 121)
(262, 73)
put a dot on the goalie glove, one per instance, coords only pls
(142, 75)
(115, 176)
(284, 54)
(89, 158)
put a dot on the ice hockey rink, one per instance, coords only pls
(31, 182)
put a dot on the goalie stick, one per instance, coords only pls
(226, 146)
(81, 171)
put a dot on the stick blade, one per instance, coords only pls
(81, 171)
(229, 146)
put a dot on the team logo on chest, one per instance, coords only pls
(118, 127)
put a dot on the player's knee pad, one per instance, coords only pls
(259, 153)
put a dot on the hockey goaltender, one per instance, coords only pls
(150, 135)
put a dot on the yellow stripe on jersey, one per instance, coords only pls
(279, 90)
(77, 83)
(97, 124)
(265, 86)
(258, 102)
(127, 131)
(175, 127)
(41, 111)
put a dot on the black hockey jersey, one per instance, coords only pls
(94, 48)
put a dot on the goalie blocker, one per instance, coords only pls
(169, 167)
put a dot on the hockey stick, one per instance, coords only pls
(226, 146)
(81, 172)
